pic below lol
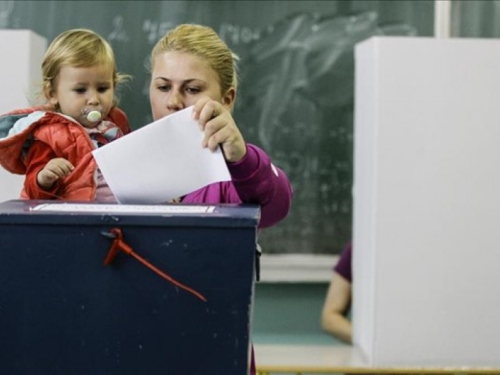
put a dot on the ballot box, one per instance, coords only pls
(426, 259)
(69, 305)
(20, 77)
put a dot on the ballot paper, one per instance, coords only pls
(160, 161)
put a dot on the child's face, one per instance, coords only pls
(79, 90)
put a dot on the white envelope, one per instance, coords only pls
(160, 161)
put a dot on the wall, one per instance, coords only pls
(283, 311)
(289, 313)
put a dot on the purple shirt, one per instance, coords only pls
(254, 180)
(344, 266)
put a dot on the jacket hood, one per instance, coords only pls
(12, 124)
(16, 134)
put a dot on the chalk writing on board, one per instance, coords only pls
(156, 29)
(296, 101)
(235, 35)
(118, 33)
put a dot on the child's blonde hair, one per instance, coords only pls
(78, 48)
(202, 41)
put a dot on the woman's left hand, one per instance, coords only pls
(220, 129)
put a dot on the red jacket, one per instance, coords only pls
(30, 138)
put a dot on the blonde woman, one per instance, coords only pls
(192, 66)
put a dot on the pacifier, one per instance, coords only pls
(92, 115)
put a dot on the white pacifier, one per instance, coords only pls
(94, 116)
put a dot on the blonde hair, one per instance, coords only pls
(78, 48)
(202, 41)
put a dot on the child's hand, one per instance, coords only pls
(53, 171)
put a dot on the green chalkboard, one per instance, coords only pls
(295, 98)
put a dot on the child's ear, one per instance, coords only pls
(53, 102)
(51, 97)
(48, 93)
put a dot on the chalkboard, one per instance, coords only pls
(295, 98)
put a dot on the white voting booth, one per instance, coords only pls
(427, 201)
(20, 76)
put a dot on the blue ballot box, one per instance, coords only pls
(174, 297)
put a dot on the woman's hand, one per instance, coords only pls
(220, 129)
(54, 170)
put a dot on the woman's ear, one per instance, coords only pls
(229, 98)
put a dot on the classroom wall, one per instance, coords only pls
(295, 88)
(289, 313)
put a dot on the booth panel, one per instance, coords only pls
(427, 201)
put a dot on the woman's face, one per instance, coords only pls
(178, 80)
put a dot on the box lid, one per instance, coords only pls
(58, 212)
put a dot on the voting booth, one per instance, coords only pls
(82, 291)
(426, 260)
(20, 76)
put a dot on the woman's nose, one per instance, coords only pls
(175, 101)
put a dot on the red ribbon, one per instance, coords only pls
(119, 244)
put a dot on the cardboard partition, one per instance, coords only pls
(427, 201)
(21, 77)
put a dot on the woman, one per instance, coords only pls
(192, 66)
(334, 319)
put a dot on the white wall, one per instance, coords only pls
(20, 76)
